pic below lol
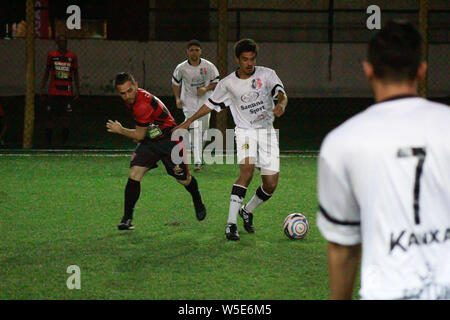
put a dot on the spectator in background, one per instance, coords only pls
(62, 66)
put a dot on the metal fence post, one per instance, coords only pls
(29, 95)
(222, 48)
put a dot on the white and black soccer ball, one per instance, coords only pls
(296, 226)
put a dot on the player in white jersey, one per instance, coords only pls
(384, 182)
(249, 93)
(193, 82)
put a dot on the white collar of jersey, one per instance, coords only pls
(396, 97)
(199, 61)
(237, 73)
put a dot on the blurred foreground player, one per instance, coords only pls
(384, 182)
(62, 67)
(153, 133)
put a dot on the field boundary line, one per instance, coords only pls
(118, 153)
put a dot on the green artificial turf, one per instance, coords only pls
(57, 211)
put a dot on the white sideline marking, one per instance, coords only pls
(63, 155)
(118, 155)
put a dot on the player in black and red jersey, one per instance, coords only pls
(153, 134)
(62, 67)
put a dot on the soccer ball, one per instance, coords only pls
(295, 226)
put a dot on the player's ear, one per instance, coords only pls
(136, 84)
(368, 69)
(237, 60)
(422, 71)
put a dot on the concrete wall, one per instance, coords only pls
(303, 67)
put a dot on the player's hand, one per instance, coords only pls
(179, 104)
(185, 125)
(278, 110)
(201, 91)
(114, 126)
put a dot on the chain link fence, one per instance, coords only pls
(316, 48)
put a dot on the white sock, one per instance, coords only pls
(235, 205)
(255, 201)
(237, 196)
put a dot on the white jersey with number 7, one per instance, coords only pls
(384, 181)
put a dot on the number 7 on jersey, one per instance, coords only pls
(420, 153)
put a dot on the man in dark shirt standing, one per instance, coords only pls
(62, 68)
(153, 133)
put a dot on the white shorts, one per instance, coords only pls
(261, 147)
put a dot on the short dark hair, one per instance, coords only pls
(395, 51)
(123, 77)
(193, 42)
(245, 45)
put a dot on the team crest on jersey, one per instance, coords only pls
(245, 146)
(203, 71)
(250, 96)
(256, 83)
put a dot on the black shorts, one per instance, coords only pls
(148, 153)
(59, 105)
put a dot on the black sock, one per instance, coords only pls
(132, 192)
(65, 135)
(192, 188)
(48, 135)
(262, 195)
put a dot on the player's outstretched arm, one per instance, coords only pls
(204, 110)
(281, 105)
(201, 91)
(176, 92)
(135, 134)
(343, 262)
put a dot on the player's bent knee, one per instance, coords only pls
(137, 173)
(269, 185)
(135, 177)
(185, 182)
(270, 188)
